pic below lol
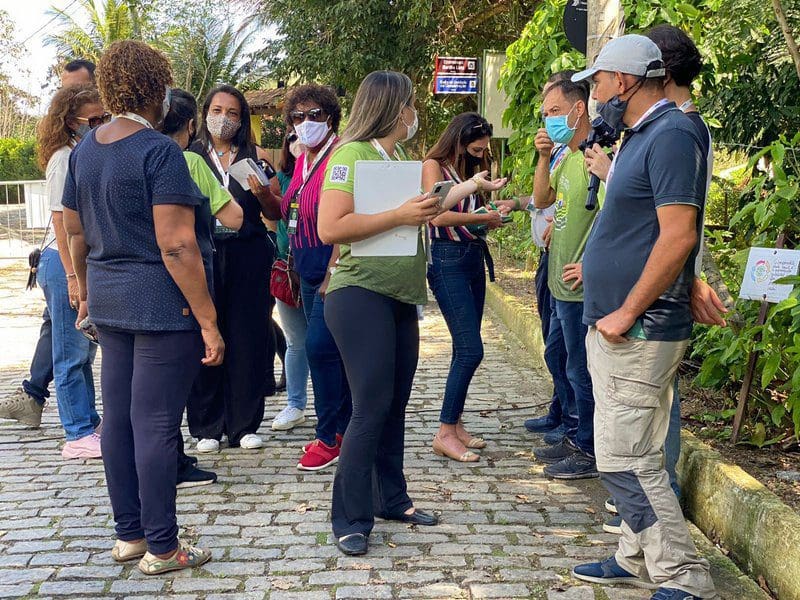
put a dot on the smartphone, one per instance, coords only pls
(440, 190)
(89, 330)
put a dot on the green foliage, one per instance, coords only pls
(18, 160)
(205, 48)
(770, 208)
(15, 104)
(339, 43)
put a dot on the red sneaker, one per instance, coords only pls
(318, 456)
(338, 443)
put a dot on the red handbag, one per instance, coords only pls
(284, 282)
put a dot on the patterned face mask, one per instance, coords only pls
(222, 127)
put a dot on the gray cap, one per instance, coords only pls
(632, 54)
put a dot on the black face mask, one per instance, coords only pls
(472, 162)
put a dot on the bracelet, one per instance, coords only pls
(478, 182)
(71, 275)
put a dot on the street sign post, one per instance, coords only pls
(455, 75)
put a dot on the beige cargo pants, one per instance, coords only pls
(633, 390)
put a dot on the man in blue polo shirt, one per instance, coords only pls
(638, 271)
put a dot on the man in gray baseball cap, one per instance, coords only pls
(638, 272)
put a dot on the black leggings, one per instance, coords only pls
(378, 339)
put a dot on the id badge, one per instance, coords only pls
(294, 215)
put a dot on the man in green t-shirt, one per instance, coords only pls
(567, 122)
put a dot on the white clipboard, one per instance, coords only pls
(380, 186)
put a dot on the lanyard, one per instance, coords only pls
(308, 169)
(226, 177)
(381, 151)
(626, 134)
(294, 205)
(134, 117)
(686, 105)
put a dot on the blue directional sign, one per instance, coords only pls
(456, 84)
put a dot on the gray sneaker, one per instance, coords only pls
(20, 406)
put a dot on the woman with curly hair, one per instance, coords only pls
(229, 400)
(71, 115)
(314, 113)
(141, 247)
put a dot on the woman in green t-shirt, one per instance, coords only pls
(370, 310)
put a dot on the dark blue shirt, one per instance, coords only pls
(114, 188)
(661, 162)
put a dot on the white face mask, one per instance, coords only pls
(412, 129)
(311, 134)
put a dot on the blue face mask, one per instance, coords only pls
(558, 128)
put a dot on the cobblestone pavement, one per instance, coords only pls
(506, 531)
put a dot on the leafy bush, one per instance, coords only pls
(770, 208)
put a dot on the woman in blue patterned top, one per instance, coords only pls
(141, 247)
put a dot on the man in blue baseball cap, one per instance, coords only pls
(638, 271)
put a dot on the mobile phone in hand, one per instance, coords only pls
(440, 190)
(89, 331)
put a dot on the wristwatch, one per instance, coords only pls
(478, 182)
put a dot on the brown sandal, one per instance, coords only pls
(441, 450)
(477, 443)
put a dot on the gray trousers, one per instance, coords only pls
(633, 390)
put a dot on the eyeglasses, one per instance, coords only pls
(96, 121)
(317, 115)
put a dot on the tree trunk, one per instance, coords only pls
(780, 14)
(714, 279)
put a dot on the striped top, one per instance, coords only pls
(458, 233)
(306, 235)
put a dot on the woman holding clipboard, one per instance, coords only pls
(370, 308)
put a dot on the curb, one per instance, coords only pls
(734, 509)
(729, 506)
(526, 326)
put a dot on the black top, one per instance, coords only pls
(251, 207)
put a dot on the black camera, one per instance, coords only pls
(269, 171)
(602, 133)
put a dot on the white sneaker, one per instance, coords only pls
(251, 441)
(207, 445)
(286, 419)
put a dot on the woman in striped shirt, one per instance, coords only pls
(456, 274)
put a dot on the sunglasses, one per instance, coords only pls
(317, 115)
(483, 128)
(96, 121)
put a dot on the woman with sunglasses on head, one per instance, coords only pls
(72, 114)
(314, 113)
(293, 318)
(229, 400)
(371, 310)
(141, 248)
(456, 274)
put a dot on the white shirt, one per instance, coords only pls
(56, 176)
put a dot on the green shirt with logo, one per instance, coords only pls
(571, 223)
(398, 277)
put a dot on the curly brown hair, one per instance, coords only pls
(323, 95)
(131, 76)
(53, 132)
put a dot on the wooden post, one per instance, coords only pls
(605, 21)
(747, 383)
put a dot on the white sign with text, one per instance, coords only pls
(764, 267)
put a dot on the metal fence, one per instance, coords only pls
(24, 215)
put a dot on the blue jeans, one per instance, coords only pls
(543, 307)
(72, 352)
(458, 280)
(293, 322)
(555, 357)
(41, 363)
(332, 401)
(567, 317)
(672, 445)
